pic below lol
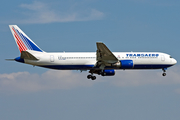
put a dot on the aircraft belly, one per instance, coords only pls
(68, 67)
(151, 66)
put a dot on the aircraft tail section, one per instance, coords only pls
(22, 40)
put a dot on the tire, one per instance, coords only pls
(89, 76)
(93, 77)
(103, 74)
(164, 74)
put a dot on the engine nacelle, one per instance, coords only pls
(108, 72)
(124, 64)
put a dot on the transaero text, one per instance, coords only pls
(142, 55)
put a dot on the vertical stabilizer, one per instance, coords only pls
(22, 40)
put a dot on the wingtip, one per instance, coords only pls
(99, 42)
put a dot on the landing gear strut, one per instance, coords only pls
(164, 71)
(91, 77)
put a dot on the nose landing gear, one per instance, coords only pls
(164, 74)
(164, 71)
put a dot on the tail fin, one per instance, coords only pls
(22, 40)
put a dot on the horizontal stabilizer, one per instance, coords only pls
(10, 59)
(27, 55)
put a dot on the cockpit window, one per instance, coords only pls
(170, 57)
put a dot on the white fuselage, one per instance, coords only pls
(86, 60)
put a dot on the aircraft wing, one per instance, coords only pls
(104, 55)
(104, 58)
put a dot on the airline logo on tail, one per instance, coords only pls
(23, 41)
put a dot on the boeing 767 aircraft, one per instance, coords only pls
(102, 62)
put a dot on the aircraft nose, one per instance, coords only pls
(174, 61)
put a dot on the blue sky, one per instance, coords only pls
(76, 25)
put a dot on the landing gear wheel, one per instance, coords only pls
(93, 77)
(89, 76)
(164, 74)
(164, 70)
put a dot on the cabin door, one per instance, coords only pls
(162, 58)
(52, 58)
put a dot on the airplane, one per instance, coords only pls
(102, 62)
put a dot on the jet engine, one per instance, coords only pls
(124, 64)
(108, 72)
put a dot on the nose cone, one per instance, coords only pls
(174, 61)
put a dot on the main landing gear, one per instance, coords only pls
(91, 77)
(164, 71)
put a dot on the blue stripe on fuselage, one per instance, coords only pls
(69, 67)
(87, 67)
